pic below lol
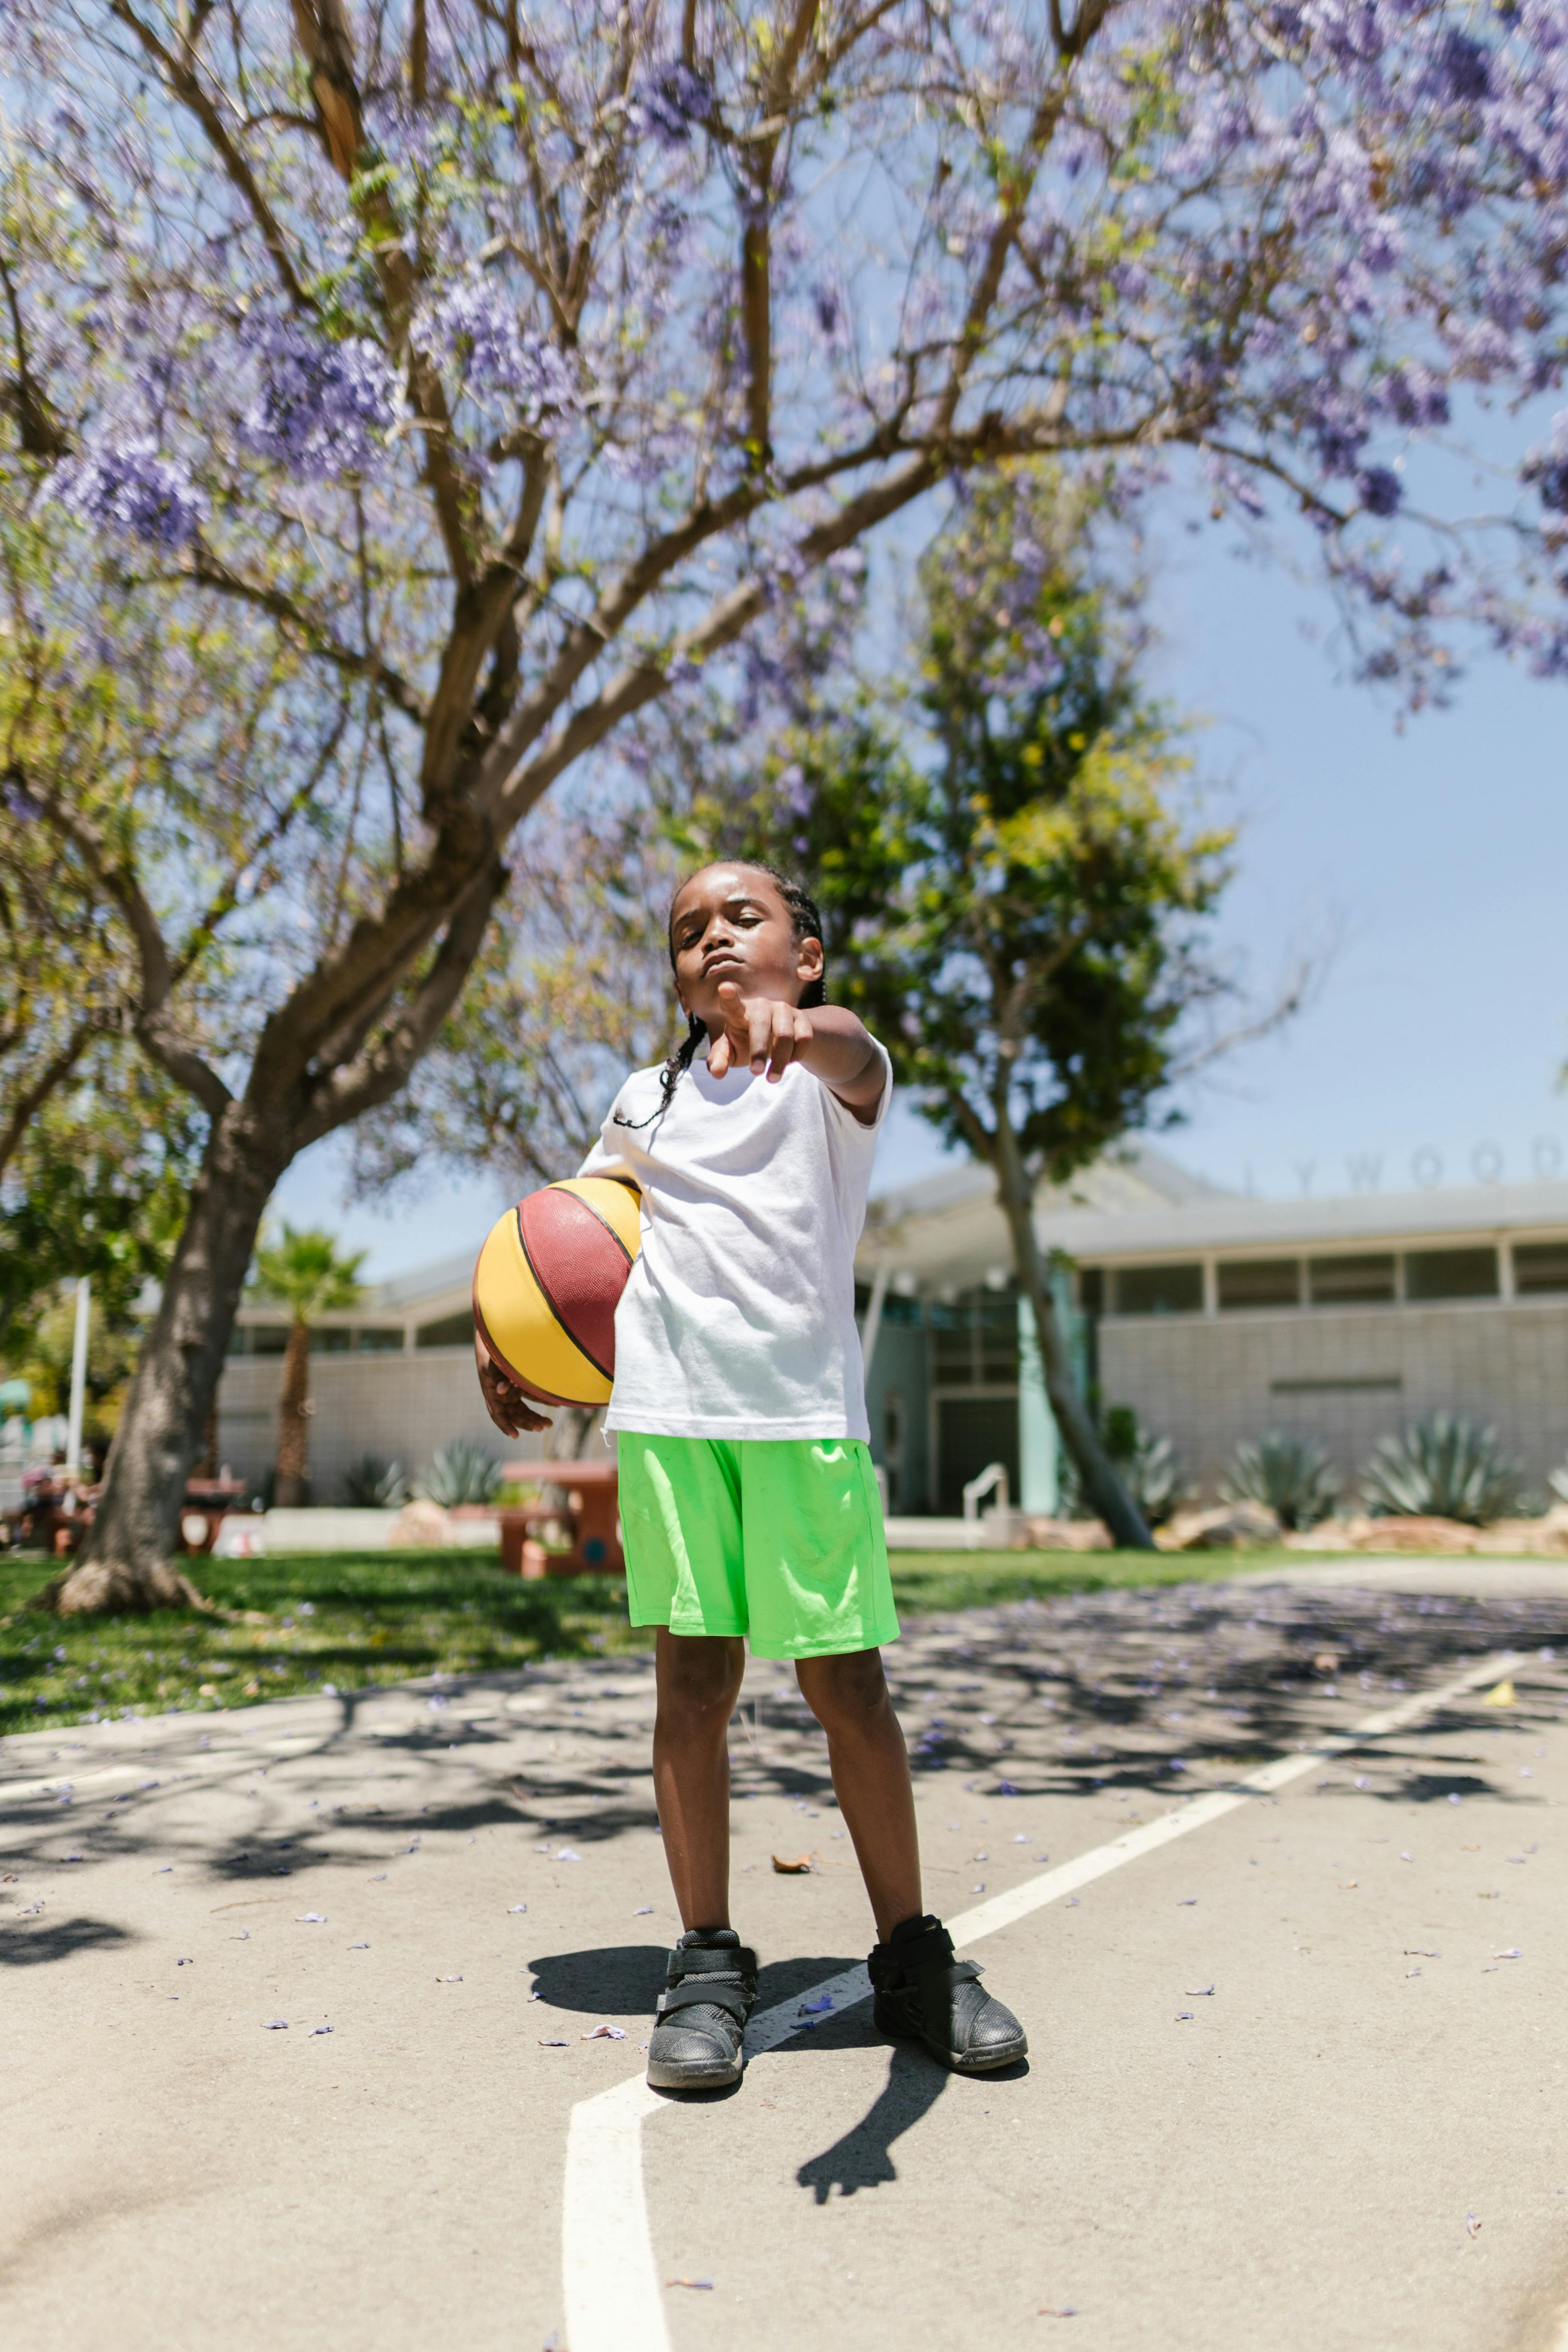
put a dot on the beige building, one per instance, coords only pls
(1217, 1317)
(394, 1376)
(1213, 1316)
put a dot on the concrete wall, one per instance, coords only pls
(403, 1407)
(1206, 1381)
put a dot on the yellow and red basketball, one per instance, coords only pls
(548, 1283)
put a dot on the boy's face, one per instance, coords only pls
(729, 923)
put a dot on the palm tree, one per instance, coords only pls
(303, 1272)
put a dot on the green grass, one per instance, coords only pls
(925, 1582)
(294, 1623)
(301, 1620)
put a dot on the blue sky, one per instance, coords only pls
(1434, 856)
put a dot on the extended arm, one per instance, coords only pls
(834, 1045)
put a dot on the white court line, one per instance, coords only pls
(610, 2280)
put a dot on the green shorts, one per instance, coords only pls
(778, 1539)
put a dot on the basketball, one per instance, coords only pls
(548, 1279)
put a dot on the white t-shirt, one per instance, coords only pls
(738, 1317)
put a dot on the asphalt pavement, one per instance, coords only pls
(305, 2004)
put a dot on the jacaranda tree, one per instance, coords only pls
(502, 363)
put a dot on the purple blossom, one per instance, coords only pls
(476, 329)
(672, 103)
(319, 405)
(1460, 70)
(127, 487)
(1547, 469)
(1379, 491)
(1414, 396)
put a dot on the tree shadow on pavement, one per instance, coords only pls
(21, 1948)
(1093, 1693)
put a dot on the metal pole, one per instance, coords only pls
(78, 1378)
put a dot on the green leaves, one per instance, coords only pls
(1011, 873)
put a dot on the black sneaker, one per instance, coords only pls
(926, 1995)
(696, 2044)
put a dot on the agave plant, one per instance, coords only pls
(1292, 1475)
(375, 1483)
(1447, 1468)
(1559, 1483)
(1150, 1468)
(461, 1473)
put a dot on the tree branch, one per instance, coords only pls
(208, 572)
(637, 683)
(186, 87)
(373, 1078)
(33, 1098)
(150, 1019)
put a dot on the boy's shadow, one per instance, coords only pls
(863, 2158)
(626, 1979)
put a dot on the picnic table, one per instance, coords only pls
(583, 1508)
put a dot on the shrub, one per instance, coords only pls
(372, 1483)
(461, 1473)
(1447, 1468)
(1292, 1475)
(1559, 1483)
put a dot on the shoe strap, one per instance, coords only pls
(712, 1959)
(925, 1959)
(914, 1953)
(718, 1992)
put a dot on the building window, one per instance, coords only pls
(1452, 1274)
(330, 1339)
(1158, 1290)
(269, 1339)
(239, 1339)
(974, 1339)
(452, 1331)
(1350, 1281)
(1253, 1282)
(379, 1340)
(1091, 1289)
(1539, 1267)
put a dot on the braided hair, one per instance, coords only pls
(807, 924)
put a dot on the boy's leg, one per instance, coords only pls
(848, 1695)
(698, 1678)
(711, 1977)
(922, 1990)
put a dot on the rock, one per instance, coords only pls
(1329, 1535)
(1230, 1527)
(1543, 1539)
(1426, 1535)
(420, 1522)
(1067, 1535)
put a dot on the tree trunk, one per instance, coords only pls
(1104, 1487)
(127, 1559)
(294, 1422)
